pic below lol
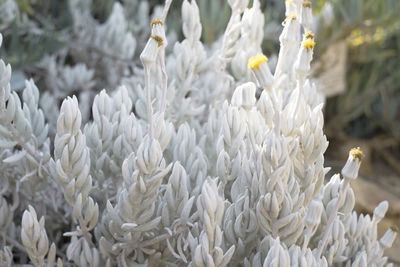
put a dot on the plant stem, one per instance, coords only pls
(328, 228)
(165, 82)
(148, 101)
(166, 8)
(13, 242)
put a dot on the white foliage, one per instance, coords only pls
(227, 171)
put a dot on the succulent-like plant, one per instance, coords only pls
(182, 164)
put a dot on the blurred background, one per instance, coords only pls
(356, 63)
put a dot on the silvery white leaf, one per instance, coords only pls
(15, 157)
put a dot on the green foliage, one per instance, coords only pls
(371, 104)
(370, 107)
(24, 6)
(26, 42)
(214, 15)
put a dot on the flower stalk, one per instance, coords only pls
(349, 172)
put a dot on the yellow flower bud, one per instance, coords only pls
(356, 153)
(254, 62)
(156, 21)
(308, 44)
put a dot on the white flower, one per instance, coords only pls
(158, 29)
(304, 57)
(150, 51)
(350, 169)
(260, 69)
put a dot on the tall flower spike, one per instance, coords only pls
(349, 172)
(158, 34)
(261, 71)
(148, 58)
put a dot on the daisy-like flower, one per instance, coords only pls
(258, 65)
(308, 44)
(352, 166)
(305, 55)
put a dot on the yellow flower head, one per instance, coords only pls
(288, 1)
(356, 153)
(158, 39)
(156, 22)
(306, 4)
(308, 44)
(254, 62)
(309, 35)
(290, 16)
